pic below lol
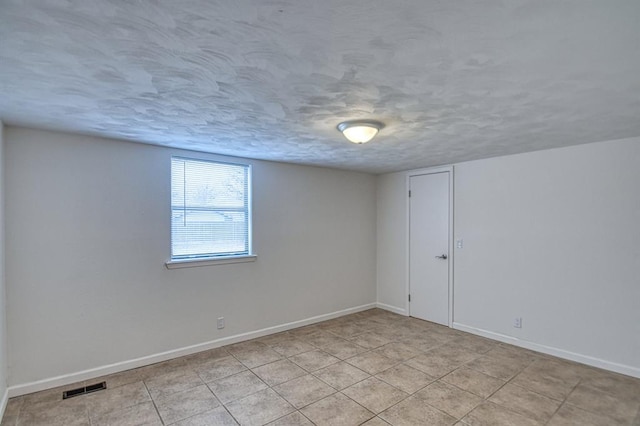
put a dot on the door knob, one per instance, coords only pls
(444, 256)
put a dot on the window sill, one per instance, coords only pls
(209, 261)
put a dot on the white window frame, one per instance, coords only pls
(188, 262)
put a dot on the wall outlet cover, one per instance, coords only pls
(517, 322)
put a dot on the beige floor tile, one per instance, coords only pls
(489, 414)
(415, 412)
(376, 421)
(304, 390)
(314, 360)
(474, 343)
(274, 339)
(9, 420)
(305, 331)
(50, 395)
(347, 331)
(455, 353)
(473, 381)
(341, 375)
(292, 346)
(62, 404)
(526, 403)
(55, 413)
(569, 415)
(612, 383)
(596, 401)
(512, 352)
(374, 394)
(293, 419)
(176, 365)
(138, 415)
(337, 410)
(397, 351)
(257, 357)
(405, 378)
(12, 412)
(433, 365)
(372, 362)
(279, 372)
(426, 342)
(322, 339)
(205, 357)
(117, 398)
(378, 341)
(343, 350)
(123, 378)
(567, 371)
(500, 368)
(259, 408)
(237, 386)
(246, 346)
(370, 340)
(449, 399)
(172, 382)
(545, 385)
(181, 405)
(388, 332)
(218, 417)
(219, 368)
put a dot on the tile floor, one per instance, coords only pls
(372, 368)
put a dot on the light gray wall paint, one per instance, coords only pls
(88, 230)
(3, 310)
(551, 237)
(392, 250)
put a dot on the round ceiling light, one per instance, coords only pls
(360, 131)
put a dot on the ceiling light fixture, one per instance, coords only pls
(360, 131)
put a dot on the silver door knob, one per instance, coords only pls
(444, 256)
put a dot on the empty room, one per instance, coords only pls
(412, 212)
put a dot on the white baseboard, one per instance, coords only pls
(549, 350)
(393, 309)
(3, 403)
(25, 388)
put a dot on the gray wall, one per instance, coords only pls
(88, 226)
(549, 236)
(3, 308)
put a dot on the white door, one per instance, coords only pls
(429, 247)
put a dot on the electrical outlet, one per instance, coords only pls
(517, 322)
(220, 323)
(459, 243)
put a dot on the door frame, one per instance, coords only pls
(419, 172)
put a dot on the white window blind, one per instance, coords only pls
(210, 209)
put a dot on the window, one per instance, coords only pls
(210, 210)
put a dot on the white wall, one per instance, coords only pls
(392, 254)
(3, 312)
(550, 236)
(88, 234)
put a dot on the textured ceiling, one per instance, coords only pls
(270, 79)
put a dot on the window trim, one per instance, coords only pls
(209, 261)
(222, 259)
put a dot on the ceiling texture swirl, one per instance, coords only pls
(452, 80)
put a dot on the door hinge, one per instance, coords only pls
(409, 298)
(409, 193)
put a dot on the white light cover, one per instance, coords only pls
(360, 133)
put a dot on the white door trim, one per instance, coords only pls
(408, 176)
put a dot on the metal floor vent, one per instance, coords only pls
(84, 390)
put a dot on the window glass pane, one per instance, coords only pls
(209, 209)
